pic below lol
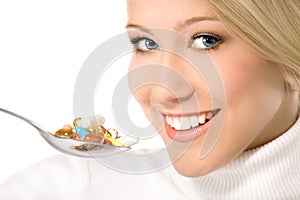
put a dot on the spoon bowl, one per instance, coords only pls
(78, 148)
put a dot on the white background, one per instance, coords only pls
(43, 45)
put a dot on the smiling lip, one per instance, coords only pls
(188, 127)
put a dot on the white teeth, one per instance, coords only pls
(202, 118)
(176, 123)
(209, 115)
(194, 121)
(170, 121)
(185, 123)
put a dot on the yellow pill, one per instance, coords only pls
(65, 133)
(114, 141)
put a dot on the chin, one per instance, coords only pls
(190, 165)
(182, 169)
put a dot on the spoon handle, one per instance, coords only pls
(35, 125)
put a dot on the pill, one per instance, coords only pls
(96, 130)
(97, 138)
(84, 123)
(76, 136)
(64, 133)
(81, 132)
(97, 120)
(90, 129)
(114, 141)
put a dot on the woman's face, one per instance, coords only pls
(257, 108)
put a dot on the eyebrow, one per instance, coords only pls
(193, 20)
(136, 26)
(179, 25)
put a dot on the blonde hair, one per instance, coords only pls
(271, 27)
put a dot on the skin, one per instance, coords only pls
(258, 108)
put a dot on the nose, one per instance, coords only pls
(171, 82)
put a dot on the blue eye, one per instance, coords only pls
(205, 41)
(144, 44)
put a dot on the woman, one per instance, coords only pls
(255, 49)
(254, 46)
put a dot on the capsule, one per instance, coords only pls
(97, 120)
(90, 129)
(81, 132)
(96, 130)
(114, 141)
(65, 133)
(97, 138)
(83, 122)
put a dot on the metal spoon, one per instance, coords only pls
(77, 147)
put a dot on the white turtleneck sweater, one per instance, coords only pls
(268, 172)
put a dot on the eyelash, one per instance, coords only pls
(135, 41)
(218, 39)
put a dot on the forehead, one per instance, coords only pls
(165, 13)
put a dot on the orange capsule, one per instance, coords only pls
(64, 133)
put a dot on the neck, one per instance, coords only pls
(284, 118)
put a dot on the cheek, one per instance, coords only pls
(240, 76)
(247, 76)
(254, 91)
(255, 83)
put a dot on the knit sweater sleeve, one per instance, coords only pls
(47, 180)
(65, 177)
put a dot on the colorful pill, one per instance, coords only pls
(76, 136)
(90, 129)
(64, 133)
(97, 120)
(97, 138)
(81, 132)
(113, 141)
(96, 130)
(83, 122)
